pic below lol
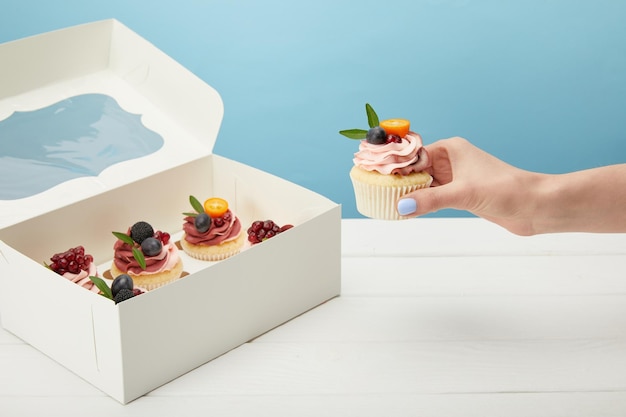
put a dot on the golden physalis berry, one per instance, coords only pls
(215, 207)
(398, 127)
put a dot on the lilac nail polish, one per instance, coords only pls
(406, 206)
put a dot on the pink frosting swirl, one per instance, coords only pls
(393, 158)
(126, 262)
(82, 278)
(228, 230)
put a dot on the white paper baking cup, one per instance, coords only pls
(379, 202)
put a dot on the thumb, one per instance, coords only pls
(428, 200)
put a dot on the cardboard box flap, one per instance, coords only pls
(105, 58)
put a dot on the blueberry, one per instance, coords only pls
(122, 281)
(376, 136)
(202, 222)
(151, 246)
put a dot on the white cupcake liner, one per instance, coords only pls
(153, 281)
(155, 285)
(212, 257)
(379, 202)
(213, 253)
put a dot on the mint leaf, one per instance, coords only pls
(124, 238)
(102, 286)
(190, 214)
(196, 204)
(372, 117)
(354, 133)
(138, 255)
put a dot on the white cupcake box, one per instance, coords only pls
(127, 350)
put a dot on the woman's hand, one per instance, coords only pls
(525, 203)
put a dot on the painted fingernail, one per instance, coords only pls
(406, 206)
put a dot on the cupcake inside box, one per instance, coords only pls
(130, 348)
(163, 201)
(137, 345)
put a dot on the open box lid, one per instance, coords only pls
(106, 58)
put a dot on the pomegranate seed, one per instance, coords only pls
(256, 226)
(261, 230)
(72, 260)
(73, 267)
(394, 138)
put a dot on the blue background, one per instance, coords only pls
(538, 83)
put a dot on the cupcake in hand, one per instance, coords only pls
(390, 163)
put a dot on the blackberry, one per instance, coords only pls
(123, 295)
(140, 231)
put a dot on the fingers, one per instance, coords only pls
(447, 156)
(453, 145)
(428, 200)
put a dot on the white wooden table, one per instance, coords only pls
(437, 317)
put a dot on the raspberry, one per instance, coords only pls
(141, 231)
(123, 295)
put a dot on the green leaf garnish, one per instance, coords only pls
(354, 133)
(372, 121)
(194, 214)
(196, 204)
(137, 254)
(102, 286)
(124, 238)
(372, 117)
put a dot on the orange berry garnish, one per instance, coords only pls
(215, 207)
(398, 127)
